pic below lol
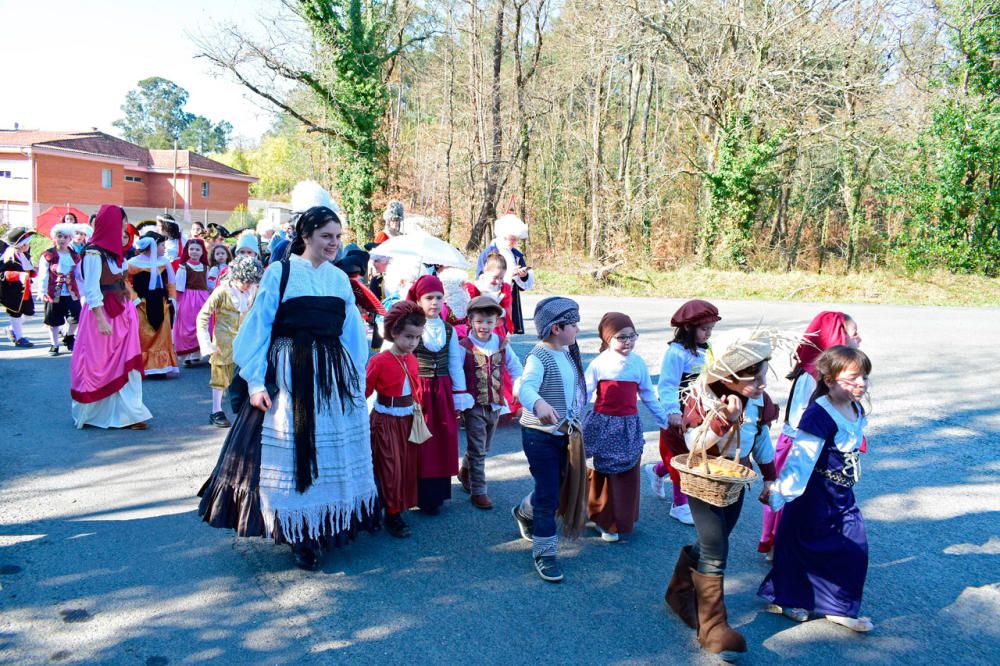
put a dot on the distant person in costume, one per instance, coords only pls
(393, 221)
(219, 258)
(191, 282)
(106, 371)
(509, 231)
(152, 278)
(58, 268)
(16, 274)
(173, 242)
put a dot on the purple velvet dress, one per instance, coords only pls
(821, 549)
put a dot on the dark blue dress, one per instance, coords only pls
(821, 549)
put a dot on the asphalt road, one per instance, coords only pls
(104, 560)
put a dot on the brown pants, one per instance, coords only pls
(613, 500)
(480, 426)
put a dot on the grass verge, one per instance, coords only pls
(932, 288)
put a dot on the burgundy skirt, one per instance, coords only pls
(395, 461)
(613, 500)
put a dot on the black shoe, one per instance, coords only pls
(523, 524)
(305, 556)
(219, 419)
(69, 341)
(396, 526)
(54, 350)
(548, 568)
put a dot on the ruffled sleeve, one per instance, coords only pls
(456, 370)
(93, 266)
(254, 337)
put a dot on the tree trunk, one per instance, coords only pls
(597, 249)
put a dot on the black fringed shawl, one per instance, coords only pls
(309, 328)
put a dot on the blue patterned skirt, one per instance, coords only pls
(614, 442)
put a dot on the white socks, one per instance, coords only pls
(17, 327)
(53, 335)
(216, 400)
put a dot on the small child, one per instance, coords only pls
(221, 257)
(228, 304)
(491, 283)
(192, 292)
(58, 267)
(682, 361)
(728, 393)
(392, 376)
(16, 274)
(554, 394)
(827, 329)
(612, 432)
(487, 361)
(152, 278)
(821, 549)
(248, 245)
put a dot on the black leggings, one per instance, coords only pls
(713, 525)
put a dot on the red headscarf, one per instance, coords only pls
(611, 323)
(185, 257)
(108, 230)
(425, 284)
(824, 331)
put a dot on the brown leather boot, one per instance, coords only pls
(680, 594)
(714, 632)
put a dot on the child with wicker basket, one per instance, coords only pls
(682, 361)
(826, 330)
(821, 548)
(726, 414)
(612, 432)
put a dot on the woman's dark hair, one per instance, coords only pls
(308, 222)
(170, 229)
(836, 360)
(687, 337)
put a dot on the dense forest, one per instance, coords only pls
(812, 135)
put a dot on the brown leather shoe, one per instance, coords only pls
(463, 478)
(482, 502)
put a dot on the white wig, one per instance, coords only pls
(67, 228)
(401, 272)
(309, 194)
(455, 295)
(510, 225)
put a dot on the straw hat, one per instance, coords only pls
(739, 350)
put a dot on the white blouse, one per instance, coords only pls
(511, 361)
(799, 400)
(93, 263)
(434, 338)
(610, 365)
(805, 452)
(677, 362)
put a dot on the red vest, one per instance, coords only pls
(484, 372)
(56, 278)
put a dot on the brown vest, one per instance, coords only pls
(434, 364)
(196, 280)
(56, 278)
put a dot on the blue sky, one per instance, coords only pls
(68, 65)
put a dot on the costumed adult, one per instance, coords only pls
(393, 219)
(106, 372)
(305, 195)
(297, 463)
(17, 271)
(508, 230)
(152, 277)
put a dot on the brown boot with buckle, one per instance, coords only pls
(714, 632)
(680, 594)
(463, 478)
(482, 502)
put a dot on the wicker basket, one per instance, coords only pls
(712, 488)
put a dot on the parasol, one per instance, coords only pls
(429, 249)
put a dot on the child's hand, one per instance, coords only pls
(675, 420)
(731, 408)
(261, 400)
(765, 494)
(545, 412)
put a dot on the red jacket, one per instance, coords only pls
(385, 375)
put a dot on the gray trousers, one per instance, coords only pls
(480, 425)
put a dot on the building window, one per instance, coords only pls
(133, 179)
(106, 178)
(5, 174)
(204, 189)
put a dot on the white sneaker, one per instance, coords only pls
(655, 480)
(682, 513)
(609, 537)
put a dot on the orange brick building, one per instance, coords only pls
(40, 169)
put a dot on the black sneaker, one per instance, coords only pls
(523, 524)
(54, 350)
(69, 341)
(396, 526)
(219, 419)
(548, 568)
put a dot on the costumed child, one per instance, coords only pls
(220, 257)
(821, 549)
(192, 291)
(60, 291)
(392, 376)
(682, 361)
(173, 242)
(16, 273)
(510, 230)
(729, 393)
(554, 394)
(488, 359)
(491, 283)
(248, 245)
(827, 329)
(106, 371)
(442, 394)
(297, 463)
(152, 279)
(227, 306)
(612, 432)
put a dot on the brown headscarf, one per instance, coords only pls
(611, 323)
